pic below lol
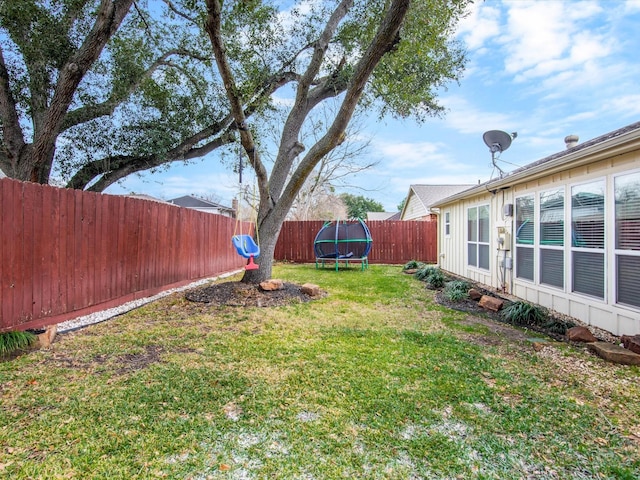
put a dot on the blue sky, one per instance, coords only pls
(544, 68)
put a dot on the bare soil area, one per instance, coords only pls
(238, 294)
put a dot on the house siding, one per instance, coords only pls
(603, 313)
(414, 210)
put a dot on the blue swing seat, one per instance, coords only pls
(246, 246)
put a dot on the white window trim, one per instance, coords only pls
(566, 235)
(608, 211)
(477, 242)
(447, 224)
(536, 217)
(614, 251)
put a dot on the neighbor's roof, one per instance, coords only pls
(610, 144)
(190, 201)
(430, 194)
(380, 215)
(143, 196)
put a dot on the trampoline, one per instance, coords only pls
(343, 241)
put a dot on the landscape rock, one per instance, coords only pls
(491, 303)
(581, 334)
(614, 353)
(46, 338)
(310, 289)
(475, 294)
(272, 284)
(631, 342)
(410, 271)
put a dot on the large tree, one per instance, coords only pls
(390, 54)
(94, 90)
(358, 206)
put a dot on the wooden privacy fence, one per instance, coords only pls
(65, 253)
(393, 242)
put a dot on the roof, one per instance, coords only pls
(381, 215)
(142, 196)
(190, 201)
(430, 194)
(617, 142)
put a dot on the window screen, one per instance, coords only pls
(587, 232)
(478, 236)
(588, 273)
(628, 283)
(525, 228)
(552, 218)
(552, 267)
(627, 198)
(587, 215)
(628, 212)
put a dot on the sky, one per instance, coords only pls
(544, 69)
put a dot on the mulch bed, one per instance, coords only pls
(238, 294)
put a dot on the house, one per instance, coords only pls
(189, 201)
(421, 198)
(562, 232)
(143, 196)
(383, 216)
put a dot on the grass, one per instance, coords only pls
(11, 342)
(375, 381)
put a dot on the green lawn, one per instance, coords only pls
(375, 381)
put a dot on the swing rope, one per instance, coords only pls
(245, 244)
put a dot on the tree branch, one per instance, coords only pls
(304, 103)
(91, 112)
(213, 28)
(12, 139)
(384, 41)
(110, 15)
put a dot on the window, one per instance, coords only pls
(627, 253)
(525, 230)
(478, 235)
(552, 238)
(447, 224)
(587, 238)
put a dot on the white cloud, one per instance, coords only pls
(409, 154)
(627, 105)
(481, 24)
(632, 6)
(465, 118)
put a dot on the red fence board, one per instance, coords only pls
(394, 242)
(67, 252)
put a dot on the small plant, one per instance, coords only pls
(16, 340)
(558, 326)
(523, 313)
(456, 290)
(426, 271)
(412, 265)
(436, 279)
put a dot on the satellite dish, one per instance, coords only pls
(498, 141)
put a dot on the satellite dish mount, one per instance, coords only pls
(498, 141)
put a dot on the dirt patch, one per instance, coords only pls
(238, 294)
(117, 364)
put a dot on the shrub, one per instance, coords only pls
(523, 313)
(436, 279)
(456, 290)
(555, 325)
(16, 340)
(412, 264)
(426, 271)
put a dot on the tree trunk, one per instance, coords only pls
(267, 237)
